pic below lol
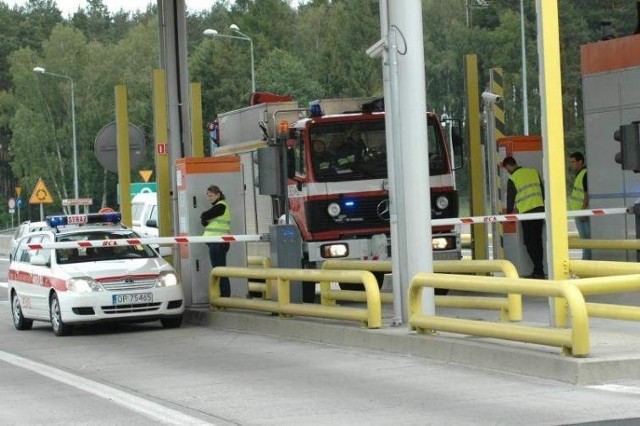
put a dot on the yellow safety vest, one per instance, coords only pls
(220, 225)
(528, 189)
(576, 199)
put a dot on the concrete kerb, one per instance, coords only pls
(615, 353)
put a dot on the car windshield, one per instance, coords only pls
(107, 252)
(357, 150)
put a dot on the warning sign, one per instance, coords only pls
(146, 174)
(41, 194)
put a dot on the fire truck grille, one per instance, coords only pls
(367, 212)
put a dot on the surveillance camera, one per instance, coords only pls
(376, 50)
(491, 97)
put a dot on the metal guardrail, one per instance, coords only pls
(371, 315)
(264, 288)
(607, 277)
(510, 307)
(575, 342)
(578, 243)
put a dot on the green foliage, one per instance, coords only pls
(314, 51)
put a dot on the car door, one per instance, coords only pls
(30, 278)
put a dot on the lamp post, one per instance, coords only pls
(40, 70)
(234, 28)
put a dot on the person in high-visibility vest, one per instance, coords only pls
(579, 198)
(217, 222)
(321, 158)
(525, 194)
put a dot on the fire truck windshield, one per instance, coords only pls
(357, 150)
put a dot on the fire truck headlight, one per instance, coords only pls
(442, 202)
(333, 209)
(167, 279)
(443, 243)
(328, 251)
(83, 285)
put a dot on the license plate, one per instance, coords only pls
(131, 298)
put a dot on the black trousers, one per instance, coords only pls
(218, 257)
(532, 236)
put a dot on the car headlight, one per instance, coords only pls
(83, 285)
(333, 209)
(442, 202)
(167, 279)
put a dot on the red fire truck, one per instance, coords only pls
(334, 158)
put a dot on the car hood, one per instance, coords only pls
(117, 268)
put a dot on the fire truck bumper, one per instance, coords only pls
(445, 246)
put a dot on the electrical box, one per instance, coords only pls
(194, 176)
(270, 166)
(286, 252)
(527, 151)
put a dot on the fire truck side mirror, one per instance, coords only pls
(629, 155)
(291, 163)
(457, 143)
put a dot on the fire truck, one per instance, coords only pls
(324, 169)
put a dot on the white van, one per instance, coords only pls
(144, 214)
(144, 218)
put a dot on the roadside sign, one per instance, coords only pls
(12, 203)
(77, 201)
(146, 174)
(140, 187)
(18, 190)
(19, 202)
(40, 194)
(12, 211)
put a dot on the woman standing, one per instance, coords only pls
(217, 222)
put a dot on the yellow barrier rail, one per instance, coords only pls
(607, 277)
(573, 342)
(578, 243)
(264, 288)
(371, 316)
(510, 308)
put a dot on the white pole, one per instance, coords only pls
(525, 102)
(75, 147)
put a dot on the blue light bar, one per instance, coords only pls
(83, 219)
(315, 109)
(349, 203)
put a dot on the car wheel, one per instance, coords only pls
(59, 327)
(19, 321)
(173, 322)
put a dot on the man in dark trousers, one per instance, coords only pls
(579, 198)
(525, 194)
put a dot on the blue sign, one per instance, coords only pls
(19, 202)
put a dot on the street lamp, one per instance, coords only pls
(40, 70)
(234, 28)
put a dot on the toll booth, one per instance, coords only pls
(527, 151)
(194, 176)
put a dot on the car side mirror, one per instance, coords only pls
(152, 223)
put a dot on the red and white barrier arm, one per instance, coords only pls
(154, 240)
(526, 216)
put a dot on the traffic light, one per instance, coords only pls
(629, 137)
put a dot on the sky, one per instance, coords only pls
(68, 7)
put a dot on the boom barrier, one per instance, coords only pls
(525, 216)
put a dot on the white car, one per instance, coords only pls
(25, 228)
(84, 284)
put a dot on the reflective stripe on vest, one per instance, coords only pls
(528, 189)
(220, 225)
(576, 199)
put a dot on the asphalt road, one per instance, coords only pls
(142, 374)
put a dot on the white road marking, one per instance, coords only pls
(618, 389)
(132, 402)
